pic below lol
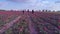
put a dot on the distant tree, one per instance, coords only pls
(53, 10)
(2, 10)
(23, 11)
(28, 10)
(32, 11)
(46, 10)
(58, 11)
(49, 10)
(42, 10)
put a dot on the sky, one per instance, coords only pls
(30, 4)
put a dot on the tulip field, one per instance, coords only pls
(29, 22)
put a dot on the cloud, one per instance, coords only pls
(19, 1)
(55, 7)
(34, 4)
(2, 4)
(48, 5)
(57, 1)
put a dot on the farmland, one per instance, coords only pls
(29, 22)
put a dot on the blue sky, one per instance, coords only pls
(30, 4)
